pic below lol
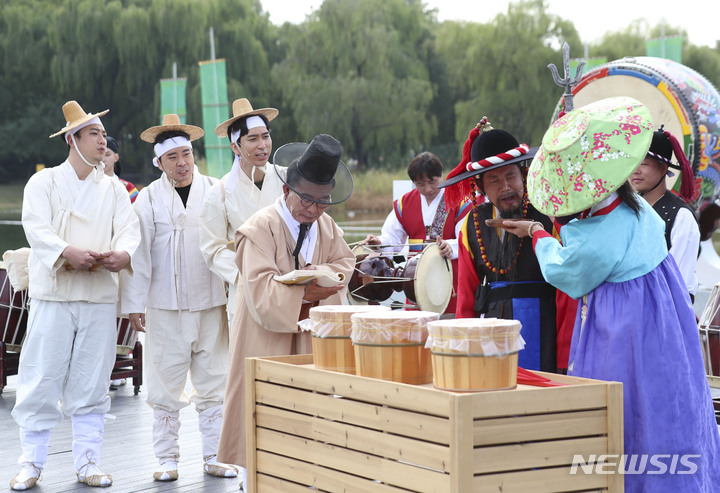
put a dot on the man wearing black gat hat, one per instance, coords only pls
(293, 233)
(499, 275)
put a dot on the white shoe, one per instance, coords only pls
(218, 469)
(26, 478)
(117, 383)
(167, 471)
(91, 475)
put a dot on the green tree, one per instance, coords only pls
(27, 99)
(358, 70)
(110, 55)
(705, 61)
(615, 45)
(504, 73)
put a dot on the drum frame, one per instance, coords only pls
(362, 251)
(709, 328)
(126, 365)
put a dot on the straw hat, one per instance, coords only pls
(171, 122)
(75, 116)
(241, 109)
(587, 154)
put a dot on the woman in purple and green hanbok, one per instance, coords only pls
(635, 323)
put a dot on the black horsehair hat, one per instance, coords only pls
(318, 162)
(662, 147)
(486, 148)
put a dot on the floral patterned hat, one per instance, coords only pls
(587, 154)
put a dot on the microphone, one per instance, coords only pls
(247, 154)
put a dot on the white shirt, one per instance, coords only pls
(684, 247)
(224, 211)
(60, 210)
(392, 232)
(170, 272)
(308, 246)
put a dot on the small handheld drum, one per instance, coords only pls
(426, 278)
(372, 279)
(13, 313)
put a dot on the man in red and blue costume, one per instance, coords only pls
(499, 275)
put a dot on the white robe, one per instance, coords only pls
(69, 349)
(170, 273)
(224, 210)
(59, 210)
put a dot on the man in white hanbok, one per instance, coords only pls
(183, 301)
(251, 184)
(82, 232)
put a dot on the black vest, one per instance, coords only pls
(667, 208)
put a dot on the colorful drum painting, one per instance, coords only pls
(678, 97)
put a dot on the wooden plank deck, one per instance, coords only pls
(127, 450)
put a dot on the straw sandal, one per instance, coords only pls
(98, 479)
(218, 469)
(167, 472)
(30, 472)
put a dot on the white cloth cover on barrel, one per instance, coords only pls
(475, 336)
(16, 265)
(334, 320)
(391, 327)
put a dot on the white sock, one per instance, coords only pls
(29, 470)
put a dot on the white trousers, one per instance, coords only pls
(65, 362)
(87, 438)
(178, 342)
(166, 432)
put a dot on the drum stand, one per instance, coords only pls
(129, 366)
(709, 330)
(9, 361)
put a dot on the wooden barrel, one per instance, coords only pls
(391, 345)
(331, 328)
(474, 354)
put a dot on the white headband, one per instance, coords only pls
(169, 145)
(251, 122)
(75, 130)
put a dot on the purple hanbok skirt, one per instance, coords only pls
(643, 333)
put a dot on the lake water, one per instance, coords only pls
(12, 235)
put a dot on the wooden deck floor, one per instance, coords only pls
(127, 450)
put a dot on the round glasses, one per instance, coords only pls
(306, 201)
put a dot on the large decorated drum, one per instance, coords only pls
(677, 97)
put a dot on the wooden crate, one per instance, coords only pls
(345, 433)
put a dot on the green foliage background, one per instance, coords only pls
(383, 76)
